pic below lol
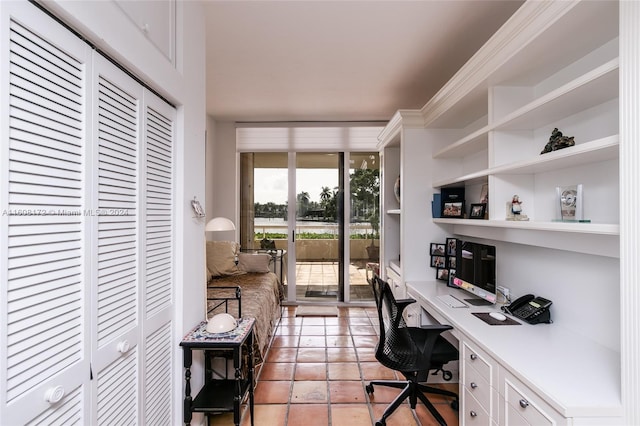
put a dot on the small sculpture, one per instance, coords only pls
(514, 209)
(557, 141)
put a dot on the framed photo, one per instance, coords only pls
(484, 194)
(451, 246)
(438, 262)
(569, 203)
(452, 275)
(453, 209)
(437, 249)
(451, 262)
(477, 211)
(442, 274)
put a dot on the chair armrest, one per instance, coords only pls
(403, 303)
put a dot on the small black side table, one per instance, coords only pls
(222, 395)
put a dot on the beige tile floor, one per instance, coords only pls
(316, 371)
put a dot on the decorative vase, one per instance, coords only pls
(396, 189)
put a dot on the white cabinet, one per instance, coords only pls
(491, 394)
(521, 406)
(406, 226)
(478, 386)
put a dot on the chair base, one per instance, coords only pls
(414, 391)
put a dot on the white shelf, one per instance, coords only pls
(589, 152)
(583, 228)
(592, 88)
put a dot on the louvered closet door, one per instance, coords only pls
(157, 256)
(117, 275)
(44, 356)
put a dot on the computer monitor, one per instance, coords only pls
(476, 271)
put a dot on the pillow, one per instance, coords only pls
(258, 262)
(221, 258)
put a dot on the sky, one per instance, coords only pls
(271, 184)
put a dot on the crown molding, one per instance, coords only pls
(528, 22)
(403, 118)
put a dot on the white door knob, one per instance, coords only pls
(53, 395)
(123, 347)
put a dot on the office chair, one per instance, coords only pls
(412, 351)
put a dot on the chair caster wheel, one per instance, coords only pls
(369, 389)
(447, 375)
(454, 404)
(381, 423)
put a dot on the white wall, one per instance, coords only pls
(222, 189)
(106, 25)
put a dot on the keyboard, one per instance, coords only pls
(452, 301)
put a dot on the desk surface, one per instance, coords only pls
(576, 375)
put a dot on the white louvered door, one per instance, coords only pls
(86, 268)
(157, 256)
(116, 273)
(45, 355)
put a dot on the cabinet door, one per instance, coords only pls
(45, 359)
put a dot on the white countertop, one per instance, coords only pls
(577, 376)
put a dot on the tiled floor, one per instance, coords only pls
(316, 371)
(318, 281)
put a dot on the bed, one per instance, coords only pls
(260, 288)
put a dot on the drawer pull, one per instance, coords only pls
(473, 385)
(524, 403)
(473, 413)
(473, 357)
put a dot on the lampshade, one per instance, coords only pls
(220, 224)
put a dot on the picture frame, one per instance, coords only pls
(452, 275)
(484, 194)
(477, 211)
(451, 262)
(451, 246)
(438, 262)
(453, 209)
(442, 274)
(569, 203)
(437, 249)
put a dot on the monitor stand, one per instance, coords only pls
(478, 302)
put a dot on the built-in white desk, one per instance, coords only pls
(577, 377)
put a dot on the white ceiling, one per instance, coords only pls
(338, 60)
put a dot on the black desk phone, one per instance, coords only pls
(531, 309)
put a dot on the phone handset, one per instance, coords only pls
(531, 309)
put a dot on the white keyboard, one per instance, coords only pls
(452, 301)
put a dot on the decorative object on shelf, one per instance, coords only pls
(477, 211)
(484, 194)
(570, 203)
(557, 141)
(452, 200)
(396, 189)
(436, 206)
(198, 211)
(514, 209)
(452, 275)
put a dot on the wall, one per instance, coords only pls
(222, 176)
(106, 25)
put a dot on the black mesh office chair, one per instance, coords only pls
(412, 351)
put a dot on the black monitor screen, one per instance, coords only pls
(476, 269)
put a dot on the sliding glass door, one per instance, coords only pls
(330, 233)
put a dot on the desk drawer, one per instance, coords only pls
(478, 360)
(523, 406)
(473, 414)
(479, 387)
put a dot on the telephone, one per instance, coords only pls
(531, 309)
